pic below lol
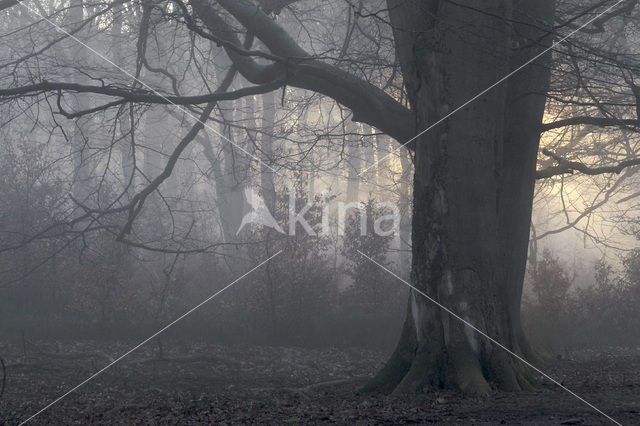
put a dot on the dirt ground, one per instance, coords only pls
(209, 384)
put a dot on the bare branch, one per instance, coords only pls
(142, 96)
(369, 104)
(591, 121)
(565, 166)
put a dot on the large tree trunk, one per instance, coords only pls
(473, 187)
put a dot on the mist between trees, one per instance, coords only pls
(319, 292)
(124, 169)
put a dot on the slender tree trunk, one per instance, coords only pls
(473, 188)
(370, 175)
(266, 142)
(354, 162)
(404, 203)
(124, 146)
(84, 163)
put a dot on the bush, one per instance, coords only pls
(604, 314)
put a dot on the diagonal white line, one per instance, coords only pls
(491, 339)
(562, 40)
(172, 323)
(154, 91)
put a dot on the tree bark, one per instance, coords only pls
(473, 188)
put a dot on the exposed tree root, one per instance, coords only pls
(410, 369)
(467, 373)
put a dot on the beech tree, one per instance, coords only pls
(473, 188)
(475, 169)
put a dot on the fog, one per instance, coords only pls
(221, 212)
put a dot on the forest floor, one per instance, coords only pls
(212, 384)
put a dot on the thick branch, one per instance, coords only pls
(565, 166)
(5, 4)
(275, 6)
(141, 96)
(592, 121)
(369, 104)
